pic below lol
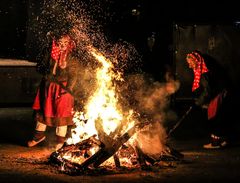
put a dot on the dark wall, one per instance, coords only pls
(34, 9)
(13, 18)
(18, 20)
(18, 85)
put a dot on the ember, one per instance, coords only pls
(69, 156)
(120, 121)
(109, 140)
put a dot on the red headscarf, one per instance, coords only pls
(59, 56)
(199, 70)
(55, 52)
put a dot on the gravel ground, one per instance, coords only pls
(19, 163)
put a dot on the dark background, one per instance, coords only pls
(17, 17)
(179, 27)
(218, 40)
(13, 29)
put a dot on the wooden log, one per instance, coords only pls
(143, 159)
(116, 161)
(110, 149)
(104, 153)
(140, 157)
(80, 149)
(83, 145)
(174, 152)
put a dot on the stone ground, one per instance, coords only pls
(19, 163)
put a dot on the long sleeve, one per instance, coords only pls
(202, 94)
(73, 69)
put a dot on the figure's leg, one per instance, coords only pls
(39, 134)
(61, 132)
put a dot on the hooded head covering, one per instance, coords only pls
(60, 56)
(200, 68)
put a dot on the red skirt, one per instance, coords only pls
(57, 106)
(215, 104)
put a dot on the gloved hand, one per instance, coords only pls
(195, 104)
(199, 105)
(205, 106)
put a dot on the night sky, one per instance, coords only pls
(119, 21)
(134, 21)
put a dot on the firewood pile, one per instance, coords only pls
(78, 159)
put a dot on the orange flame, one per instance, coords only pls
(102, 107)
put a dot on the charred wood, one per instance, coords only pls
(110, 149)
(116, 161)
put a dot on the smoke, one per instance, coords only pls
(137, 91)
(152, 139)
(152, 100)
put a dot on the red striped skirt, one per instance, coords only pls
(57, 106)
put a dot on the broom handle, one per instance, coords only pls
(179, 121)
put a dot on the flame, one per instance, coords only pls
(102, 106)
(103, 103)
(101, 109)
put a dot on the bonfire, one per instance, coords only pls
(105, 135)
(113, 128)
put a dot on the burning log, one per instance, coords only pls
(80, 149)
(170, 154)
(141, 159)
(111, 147)
(83, 145)
(105, 153)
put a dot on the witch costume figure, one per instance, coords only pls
(54, 102)
(211, 90)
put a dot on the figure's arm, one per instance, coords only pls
(72, 74)
(204, 90)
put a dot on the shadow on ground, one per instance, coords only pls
(19, 163)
